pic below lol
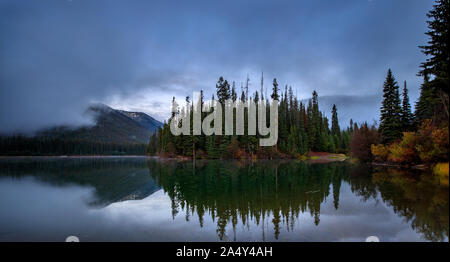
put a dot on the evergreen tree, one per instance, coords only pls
(316, 121)
(335, 129)
(223, 90)
(390, 119)
(331, 144)
(406, 116)
(233, 92)
(438, 57)
(283, 130)
(243, 98)
(262, 86)
(275, 90)
(424, 105)
(310, 127)
(188, 140)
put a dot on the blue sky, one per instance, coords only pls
(56, 57)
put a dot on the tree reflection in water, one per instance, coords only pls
(233, 192)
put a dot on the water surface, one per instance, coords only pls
(141, 199)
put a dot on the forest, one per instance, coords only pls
(301, 128)
(20, 145)
(401, 136)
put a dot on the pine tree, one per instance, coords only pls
(223, 90)
(390, 119)
(424, 105)
(310, 127)
(283, 130)
(316, 121)
(335, 129)
(275, 90)
(262, 86)
(332, 144)
(233, 92)
(438, 56)
(303, 142)
(406, 116)
(188, 140)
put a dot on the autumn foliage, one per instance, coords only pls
(433, 142)
(404, 151)
(429, 144)
(380, 152)
(362, 140)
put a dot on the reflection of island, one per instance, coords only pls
(418, 199)
(234, 192)
(115, 179)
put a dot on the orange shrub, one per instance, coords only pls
(433, 142)
(441, 142)
(379, 152)
(395, 153)
(405, 150)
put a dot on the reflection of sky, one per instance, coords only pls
(35, 211)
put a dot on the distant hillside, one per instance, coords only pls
(143, 119)
(111, 126)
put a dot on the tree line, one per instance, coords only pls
(20, 145)
(302, 128)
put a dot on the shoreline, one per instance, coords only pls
(314, 157)
(387, 164)
(78, 156)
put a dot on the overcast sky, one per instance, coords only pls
(58, 56)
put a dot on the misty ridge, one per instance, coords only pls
(108, 125)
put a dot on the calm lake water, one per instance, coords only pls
(140, 199)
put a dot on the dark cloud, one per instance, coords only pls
(57, 56)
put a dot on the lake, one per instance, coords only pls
(147, 199)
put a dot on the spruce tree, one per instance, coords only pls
(275, 90)
(335, 129)
(223, 90)
(233, 92)
(424, 105)
(310, 127)
(438, 56)
(407, 116)
(316, 120)
(390, 117)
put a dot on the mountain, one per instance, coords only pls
(111, 126)
(143, 119)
